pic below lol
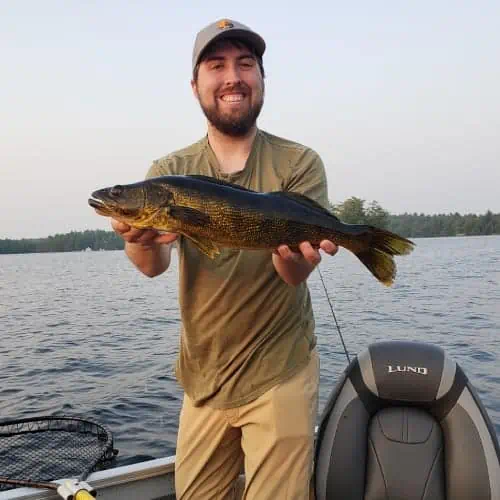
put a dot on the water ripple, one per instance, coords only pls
(86, 334)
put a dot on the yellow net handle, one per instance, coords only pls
(84, 495)
(73, 489)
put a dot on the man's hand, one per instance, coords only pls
(307, 252)
(295, 267)
(148, 249)
(144, 237)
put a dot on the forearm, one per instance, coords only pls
(151, 260)
(292, 272)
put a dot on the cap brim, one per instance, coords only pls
(250, 37)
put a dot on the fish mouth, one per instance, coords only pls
(104, 207)
(99, 206)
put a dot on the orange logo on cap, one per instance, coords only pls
(222, 25)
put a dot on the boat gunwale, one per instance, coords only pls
(122, 474)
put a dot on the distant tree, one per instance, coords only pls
(351, 211)
(488, 223)
(354, 211)
(376, 215)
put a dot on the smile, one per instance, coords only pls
(233, 97)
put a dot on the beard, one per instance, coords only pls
(236, 124)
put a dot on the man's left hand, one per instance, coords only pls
(307, 252)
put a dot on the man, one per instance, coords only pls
(247, 361)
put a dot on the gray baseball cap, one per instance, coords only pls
(226, 28)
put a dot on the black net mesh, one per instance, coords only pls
(49, 448)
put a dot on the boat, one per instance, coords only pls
(402, 422)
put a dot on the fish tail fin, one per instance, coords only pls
(378, 255)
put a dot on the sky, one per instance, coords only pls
(400, 98)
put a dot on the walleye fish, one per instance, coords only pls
(214, 214)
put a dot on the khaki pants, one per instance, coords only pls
(272, 437)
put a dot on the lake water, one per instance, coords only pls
(86, 334)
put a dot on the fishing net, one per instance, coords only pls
(39, 450)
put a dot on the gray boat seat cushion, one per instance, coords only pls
(405, 423)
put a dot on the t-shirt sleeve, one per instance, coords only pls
(165, 166)
(308, 177)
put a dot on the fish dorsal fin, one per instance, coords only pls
(220, 182)
(304, 200)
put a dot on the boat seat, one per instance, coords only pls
(404, 422)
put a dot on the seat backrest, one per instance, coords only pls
(404, 422)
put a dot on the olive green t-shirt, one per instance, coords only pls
(244, 329)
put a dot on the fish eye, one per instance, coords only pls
(116, 190)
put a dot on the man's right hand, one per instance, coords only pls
(148, 249)
(144, 237)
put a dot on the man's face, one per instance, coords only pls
(230, 89)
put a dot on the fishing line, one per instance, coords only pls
(333, 314)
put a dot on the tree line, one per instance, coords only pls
(68, 242)
(358, 211)
(352, 211)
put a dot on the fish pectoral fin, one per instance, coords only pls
(192, 217)
(206, 247)
(189, 215)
